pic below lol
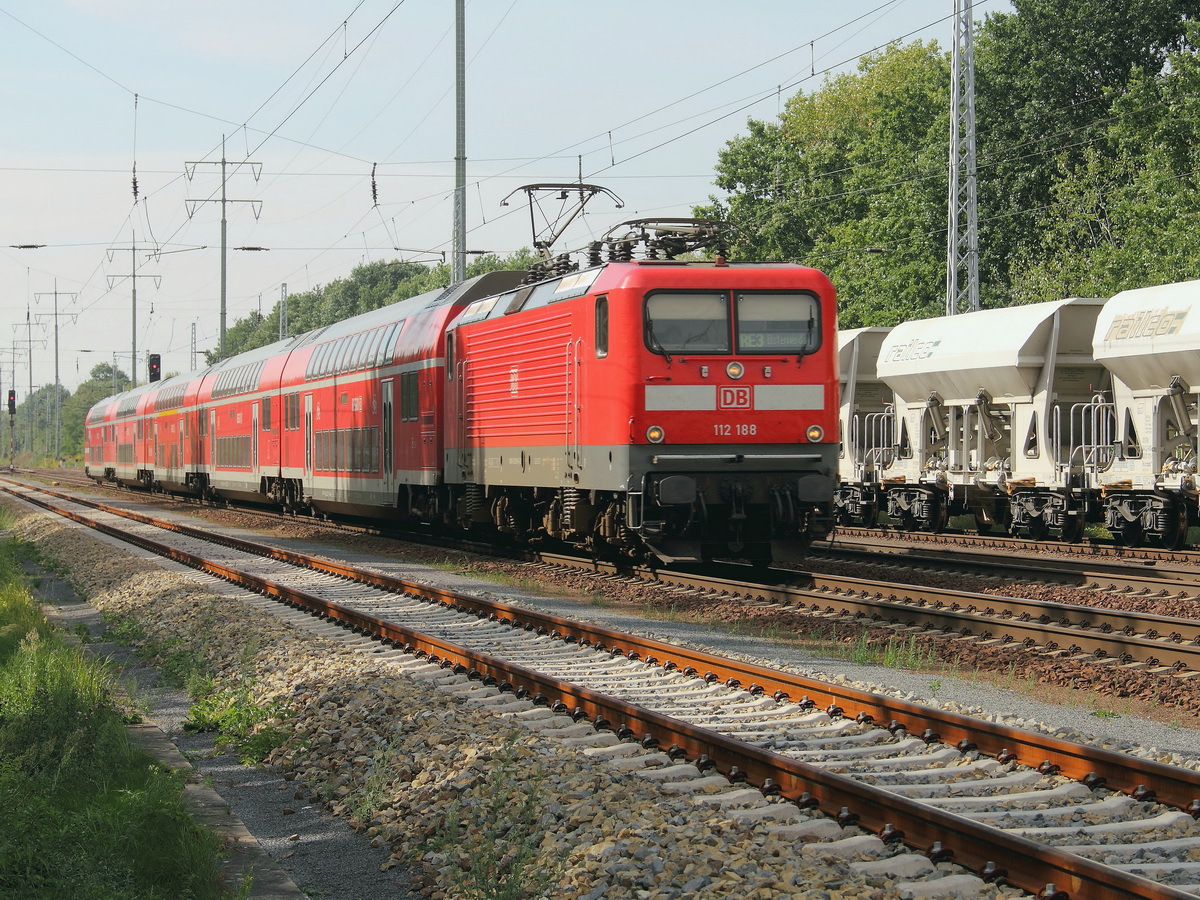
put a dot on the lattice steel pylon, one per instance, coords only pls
(458, 256)
(962, 240)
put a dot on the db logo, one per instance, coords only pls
(733, 398)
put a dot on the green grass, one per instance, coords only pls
(893, 653)
(493, 834)
(245, 726)
(86, 815)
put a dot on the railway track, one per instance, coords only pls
(1143, 572)
(1166, 645)
(1088, 549)
(915, 545)
(1038, 811)
(1142, 576)
(1126, 640)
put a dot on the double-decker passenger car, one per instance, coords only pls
(687, 408)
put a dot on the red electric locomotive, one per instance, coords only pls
(688, 409)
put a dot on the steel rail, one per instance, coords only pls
(1104, 633)
(991, 852)
(1172, 785)
(1083, 572)
(1089, 548)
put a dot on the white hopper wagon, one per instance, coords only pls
(983, 406)
(1149, 339)
(865, 420)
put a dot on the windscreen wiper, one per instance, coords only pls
(655, 343)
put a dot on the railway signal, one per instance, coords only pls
(155, 367)
(12, 402)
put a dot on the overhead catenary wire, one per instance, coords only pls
(618, 168)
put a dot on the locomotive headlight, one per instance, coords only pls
(814, 433)
(655, 434)
(735, 370)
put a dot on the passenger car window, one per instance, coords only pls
(372, 349)
(360, 343)
(383, 355)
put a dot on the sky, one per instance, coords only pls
(337, 120)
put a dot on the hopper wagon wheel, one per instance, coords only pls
(1174, 535)
(1072, 530)
(870, 515)
(1130, 534)
(939, 514)
(1037, 528)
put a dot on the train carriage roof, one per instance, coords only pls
(1148, 336)
(239, 370)
(1002, 351)
(455, 295)
(101, 412)
(867, 342)
(132, 401)
(336, 349)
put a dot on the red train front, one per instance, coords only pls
(685, 406)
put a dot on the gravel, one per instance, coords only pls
(309, 846)
(613, 839)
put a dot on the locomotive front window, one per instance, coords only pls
(778, 323)
(687, 323)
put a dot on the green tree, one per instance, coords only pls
(1085, 142)
(1047, 75)
(75, 406)
(852, 180)
(367, 287)
(1128, 214)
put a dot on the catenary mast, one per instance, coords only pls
(962, 242)
(458, 260)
